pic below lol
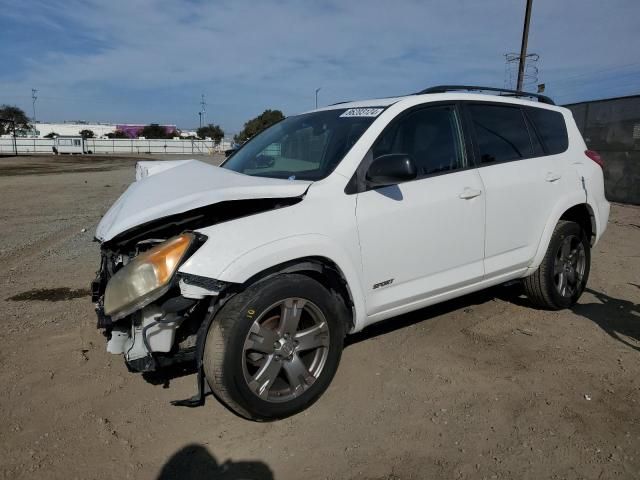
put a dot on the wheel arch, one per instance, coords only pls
(322, 269)
(573, 209)
(584, 216)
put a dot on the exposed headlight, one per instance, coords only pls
(146, 278)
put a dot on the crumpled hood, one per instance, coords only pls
(182, 188)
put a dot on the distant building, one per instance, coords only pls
(71, 129)
(133, 130)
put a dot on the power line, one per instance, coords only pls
(622, 80)
(596, 72)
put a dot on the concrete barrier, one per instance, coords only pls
(622, 176)
(612, 128)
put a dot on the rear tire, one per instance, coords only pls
(273, 349)
(562, 276)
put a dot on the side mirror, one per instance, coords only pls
(391, 169)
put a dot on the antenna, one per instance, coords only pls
(34, 97)
(203, 110)
(512, 70)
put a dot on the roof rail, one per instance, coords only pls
(510, 93)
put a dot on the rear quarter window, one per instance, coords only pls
(551, 129)
(501, 133)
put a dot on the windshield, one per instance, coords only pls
(303, 147)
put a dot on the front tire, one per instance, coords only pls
(274, 348)
(562, 276)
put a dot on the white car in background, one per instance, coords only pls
(335, 219)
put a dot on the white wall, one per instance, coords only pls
(118, 146)
(63, 129)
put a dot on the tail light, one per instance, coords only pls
(595, 156)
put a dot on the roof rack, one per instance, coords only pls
(510, 93)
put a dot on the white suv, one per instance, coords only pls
(335, 219)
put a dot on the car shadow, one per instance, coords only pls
(194, 462)
(619, 318)
(164, 375)
(508, 293)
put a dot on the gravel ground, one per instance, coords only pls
(480, 387)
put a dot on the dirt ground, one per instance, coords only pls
(480, 387)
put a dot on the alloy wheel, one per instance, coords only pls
(285, 350)
(569, 266)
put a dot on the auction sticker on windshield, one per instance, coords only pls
(362, 112)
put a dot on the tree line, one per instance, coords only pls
(13, 119)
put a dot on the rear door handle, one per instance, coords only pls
(552, 176)
(469, 193)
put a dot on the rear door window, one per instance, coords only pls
(501, 133)
(551, 128)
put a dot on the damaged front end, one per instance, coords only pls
(149, 312)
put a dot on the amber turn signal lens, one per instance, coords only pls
(166, 257)
(145, 278)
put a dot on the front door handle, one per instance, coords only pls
(469, 193)
(552, 176)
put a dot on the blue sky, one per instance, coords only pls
(149, 61)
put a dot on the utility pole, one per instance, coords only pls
(317, 90)
(34, 97)
(523, 47)
(203, 110)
